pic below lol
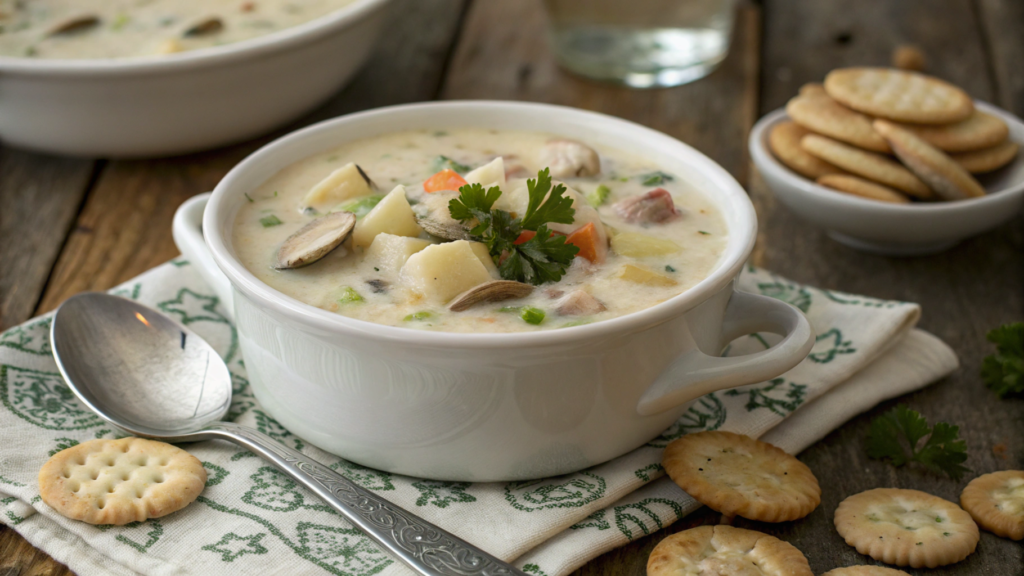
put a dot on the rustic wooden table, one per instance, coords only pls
(68, 225)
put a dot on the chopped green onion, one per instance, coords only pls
(349, 296)
(599, 196)
(656, 178)
(669, 268)
(442, 162)
(360, 206)
(419, 316)
(532, 315)
(249, 198)
(269, 221)
(704, 233)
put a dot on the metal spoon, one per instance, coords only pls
(152, 377)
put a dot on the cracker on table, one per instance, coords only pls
(784, 142)
(869, 165)
(865, 571)
(977, 131)
(987, 160)
(996, 502)
(825, 116)
(899, 95)
(864, 188)
(906, 527)
(813, 89)
(120, 481)
(947, 178)
(725, 550)
(740, 476)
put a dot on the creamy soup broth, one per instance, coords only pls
(126, 28)
(348, 281)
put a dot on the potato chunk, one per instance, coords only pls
(392, 215)
(480, 249)
(343, 184)
(389, 252)
(639, 275)
(642, 246)
(443, 271)
(490, 174)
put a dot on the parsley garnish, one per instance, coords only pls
(892, 432)
(543, 258)
(1003, 371)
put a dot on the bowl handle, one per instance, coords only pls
(695, 374)
(188, 235)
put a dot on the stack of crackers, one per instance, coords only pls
(740, 476)
(891, 135)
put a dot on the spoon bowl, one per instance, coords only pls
(151, 376)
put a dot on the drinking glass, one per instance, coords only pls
(641, 43)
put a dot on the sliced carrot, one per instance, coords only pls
(446, 179)
(589, 242)
(524, 237)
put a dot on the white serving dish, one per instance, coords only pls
(894, 229)
(488, 407)
(163, 105)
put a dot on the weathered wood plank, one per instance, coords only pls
(714, 115)
(1003, 23)
(125, 226)
(964, 292)
(39, 198)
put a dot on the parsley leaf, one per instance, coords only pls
(442, 162)
(892, 432)
(655, 178)
(1003, 371)
(544, 207)
(543, 258)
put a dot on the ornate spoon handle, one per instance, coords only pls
(429, 550)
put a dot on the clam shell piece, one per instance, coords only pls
(314, 240)
(206, 26)
(579, 303)
(494, 291)
(432, 215)
(570, 159)
(74, 24)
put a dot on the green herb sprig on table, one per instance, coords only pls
(1003, 371)
(543, 258)
(896, 436)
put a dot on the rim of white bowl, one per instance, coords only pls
(765, 159)
(213, 55)
(729, 265)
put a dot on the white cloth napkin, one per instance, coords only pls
(253, 519)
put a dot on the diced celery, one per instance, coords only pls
(532, 315)
(419, 316)
(360, 206)
(598, 196)
(349, 296)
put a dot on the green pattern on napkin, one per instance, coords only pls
(253, 519)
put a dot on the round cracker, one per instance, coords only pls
(979, 130)
(899, 95)
(120, 481)
(947, 178)
(863, 188)
(909, 57)
(869, 165)
(906, 527)
(822, 114)
(784, 142)
(987, 160)
(865, 571)
(739, 476)
(725, 550)
(996, 502)
(813, 89)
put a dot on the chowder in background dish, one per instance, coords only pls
(643, 235)
(70, 29)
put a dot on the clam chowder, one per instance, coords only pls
(125, 28)
(478, 231)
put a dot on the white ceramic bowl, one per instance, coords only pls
(479, 407)
(162, 105)
(894, 229)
